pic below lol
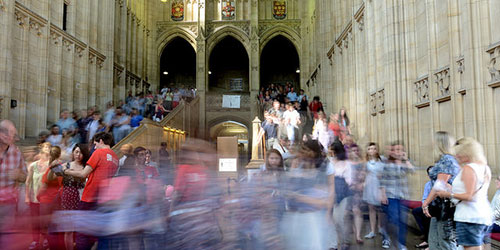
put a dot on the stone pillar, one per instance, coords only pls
(254, 57)
(6, 25)
(92, 80)
(55, 77)
(67, 75)
(201, 70)
(36, 77)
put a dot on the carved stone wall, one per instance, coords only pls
(420, 67)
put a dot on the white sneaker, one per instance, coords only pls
(370, 235)
(386, 244)
(401, 247)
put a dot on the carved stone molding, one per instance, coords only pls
(443, 82)
(79, 49)
(359, 16)
(68, 45)
(100, 62)
(55, 37)
(2, 5)
(21, 18)
(494, 65)
(381, 101)
(211, 27)
(460, 65)
(373, 103)
(264, 25)
(118, 70)
(120, 2)
(163, 26)
(344, 37)
(92, 58)
(422, 91)
(36, 27)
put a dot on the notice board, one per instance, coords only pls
(227, 153)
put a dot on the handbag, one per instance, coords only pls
(442, 208)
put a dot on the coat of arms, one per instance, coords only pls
(228, 9)
(279, 10)
(177, 10)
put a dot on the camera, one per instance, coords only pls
(58, 170)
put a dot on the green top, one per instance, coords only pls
(36, 182)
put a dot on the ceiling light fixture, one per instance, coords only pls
(165, 72)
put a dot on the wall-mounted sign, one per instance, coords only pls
(228, 164)
(231, 101)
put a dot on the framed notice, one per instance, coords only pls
(236, 84)
(228, 164)
(231, 101)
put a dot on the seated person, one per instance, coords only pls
(422, 220)
(495, 206)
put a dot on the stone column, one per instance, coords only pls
(80, 93)
(201, 70)
(7, 23)
(36, 77)
(55, 77)
(254, 57)
(92, 62)
(67, 75)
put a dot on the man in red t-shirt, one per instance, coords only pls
(101, 166)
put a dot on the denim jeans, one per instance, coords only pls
(396, 215)
(442, 235)
(422, 221)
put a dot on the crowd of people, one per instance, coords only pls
(80, 126)
(311, 193)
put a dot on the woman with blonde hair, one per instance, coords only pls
(473, 214)
(441, 234)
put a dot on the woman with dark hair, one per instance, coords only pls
(274, 161)
(344, 122)
(70, 196)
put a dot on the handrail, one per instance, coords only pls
(151, 133)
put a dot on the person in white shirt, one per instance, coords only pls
(292, 120)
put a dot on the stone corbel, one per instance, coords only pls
(79, 50)
(92, 58)
(120, 2)
(55, 37)
(36, 26)
(100, 63)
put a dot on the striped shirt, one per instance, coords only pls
(10, 162)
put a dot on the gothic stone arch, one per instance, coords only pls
(228, 30)
(284, 31)
(165, 38)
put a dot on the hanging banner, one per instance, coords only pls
(228, 9)
(178, 10)
(279, 10)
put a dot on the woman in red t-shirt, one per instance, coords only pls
(315, 106)
(49, 198)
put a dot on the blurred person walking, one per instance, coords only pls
(36, 170)
(12, 173)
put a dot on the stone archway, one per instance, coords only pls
(165, 38)
(279, 63)
(225, 31)
(178, 64)
(281, 30)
